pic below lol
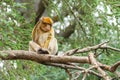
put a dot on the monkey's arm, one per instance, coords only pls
(33, 46)
(36, 48)
(34, 30)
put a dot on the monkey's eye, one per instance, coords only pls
(46, 23)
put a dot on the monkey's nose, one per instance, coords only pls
(48, 27)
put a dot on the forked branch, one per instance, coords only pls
(69, 62)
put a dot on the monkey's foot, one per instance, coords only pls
(42, 51)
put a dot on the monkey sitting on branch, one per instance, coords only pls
(43, 37)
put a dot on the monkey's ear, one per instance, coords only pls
(41, 18)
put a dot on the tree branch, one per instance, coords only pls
(40, 58)
(68, 62)
(66, 33)
(41, 8)
(86, 49)
(115, 66)
(94, 62)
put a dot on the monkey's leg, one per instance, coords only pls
(30, 48)
(35, 47)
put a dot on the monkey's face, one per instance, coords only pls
(45, 26)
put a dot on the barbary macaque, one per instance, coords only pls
(43, 37)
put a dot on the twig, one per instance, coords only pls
(115, 49)
(87, 49)
(115, 66)
(71, 51)
(65, 66)
(68, 72)
(78, 74)
(84, 76)
(76, 17)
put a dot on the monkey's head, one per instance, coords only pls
(46, 24)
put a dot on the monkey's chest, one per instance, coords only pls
(42, 40)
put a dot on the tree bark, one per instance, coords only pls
(68, 61)
(41, 9)
(27, 55)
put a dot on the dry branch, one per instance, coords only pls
(87, 49)
(69, 62)
(95, 63)
(115, 66)
(40, 58)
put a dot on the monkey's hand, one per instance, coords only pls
(43, 51)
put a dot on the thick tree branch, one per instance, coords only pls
(66, 33)
(41, 8)
(40, 58)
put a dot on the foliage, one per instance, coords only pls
(12, 26)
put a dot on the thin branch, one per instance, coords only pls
(115, 49)
(77, 76)
(115, 66)
(65, 66)
(117, 73)
(76, 17)
(84, 76)
(86, 49)
(69, 74)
